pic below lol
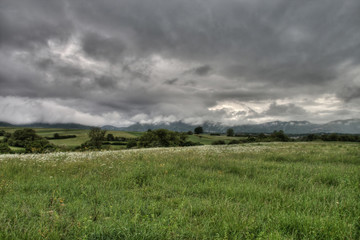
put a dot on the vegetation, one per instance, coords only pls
(74, 139)
(252, 191)
(163, 138)
(198, 130)
(332, 137)
(29, 140)
(97, 137)
(4, 148)
(58, 136)
(230, 132)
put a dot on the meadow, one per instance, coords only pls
(82, 136)
(272, 190)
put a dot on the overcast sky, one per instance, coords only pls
(119, 62)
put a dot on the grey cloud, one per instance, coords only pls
(101, 47)
(285, 110)
(171, 81)
(45, 64)
(258, 50)
(31, 24)
(203, 70)
(350, 92)
(105, 82)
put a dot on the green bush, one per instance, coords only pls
(4, 148)
(218, 142)
(162, 138)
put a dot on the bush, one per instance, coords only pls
(234, 142)
(198, 130)
(4, 148)
(230, 132)
(39, 146)
(97, 136)
(162, 138)
(131, 143)
(28, 139)
(218, 142)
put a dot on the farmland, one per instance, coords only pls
(82, 136)
(249, 191)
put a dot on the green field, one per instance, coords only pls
(248, 191)
(82, 136)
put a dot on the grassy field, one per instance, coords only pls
(82, 136)
(249, 191)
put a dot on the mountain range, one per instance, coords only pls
(351, 126)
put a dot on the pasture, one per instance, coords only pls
(248, 191)
(82, 136)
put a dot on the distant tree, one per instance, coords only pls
(261, 136)
(280, 136)
(97, 136)
(198, 130)
(28, 139)
(230, 132)
(190, 133)
(56, 135)
(2, 132)
(110, 137)
(162, 138)
(131, 143)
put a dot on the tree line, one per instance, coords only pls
(98, 140)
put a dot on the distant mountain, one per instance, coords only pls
(47, 125)
(351, 126)
(291, 127)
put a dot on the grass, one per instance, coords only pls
(82, 136)
(252, 191)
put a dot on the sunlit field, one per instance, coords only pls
(247, 191)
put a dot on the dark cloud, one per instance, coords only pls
(32, 24)
(103, 48)
(284, 110)
(350, 92)
(166, 59)
(203, 70)
(171, 81)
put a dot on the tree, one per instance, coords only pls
(28, 139)
(198, 130)
(97, 136)
(230, 132)
(4, 148)
(110, 137)
(162, 138)
(280, 136)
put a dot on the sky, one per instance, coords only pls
(119, 62)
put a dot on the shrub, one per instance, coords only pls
(218, 142)
(97, 136)
(198, 130)
(4, 148)
(230, 132)
(234, 142)
(131, 143)
(162, 138)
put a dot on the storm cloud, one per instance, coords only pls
(231, 61)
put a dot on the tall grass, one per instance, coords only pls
(254, 191)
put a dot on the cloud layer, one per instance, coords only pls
(233, 61)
